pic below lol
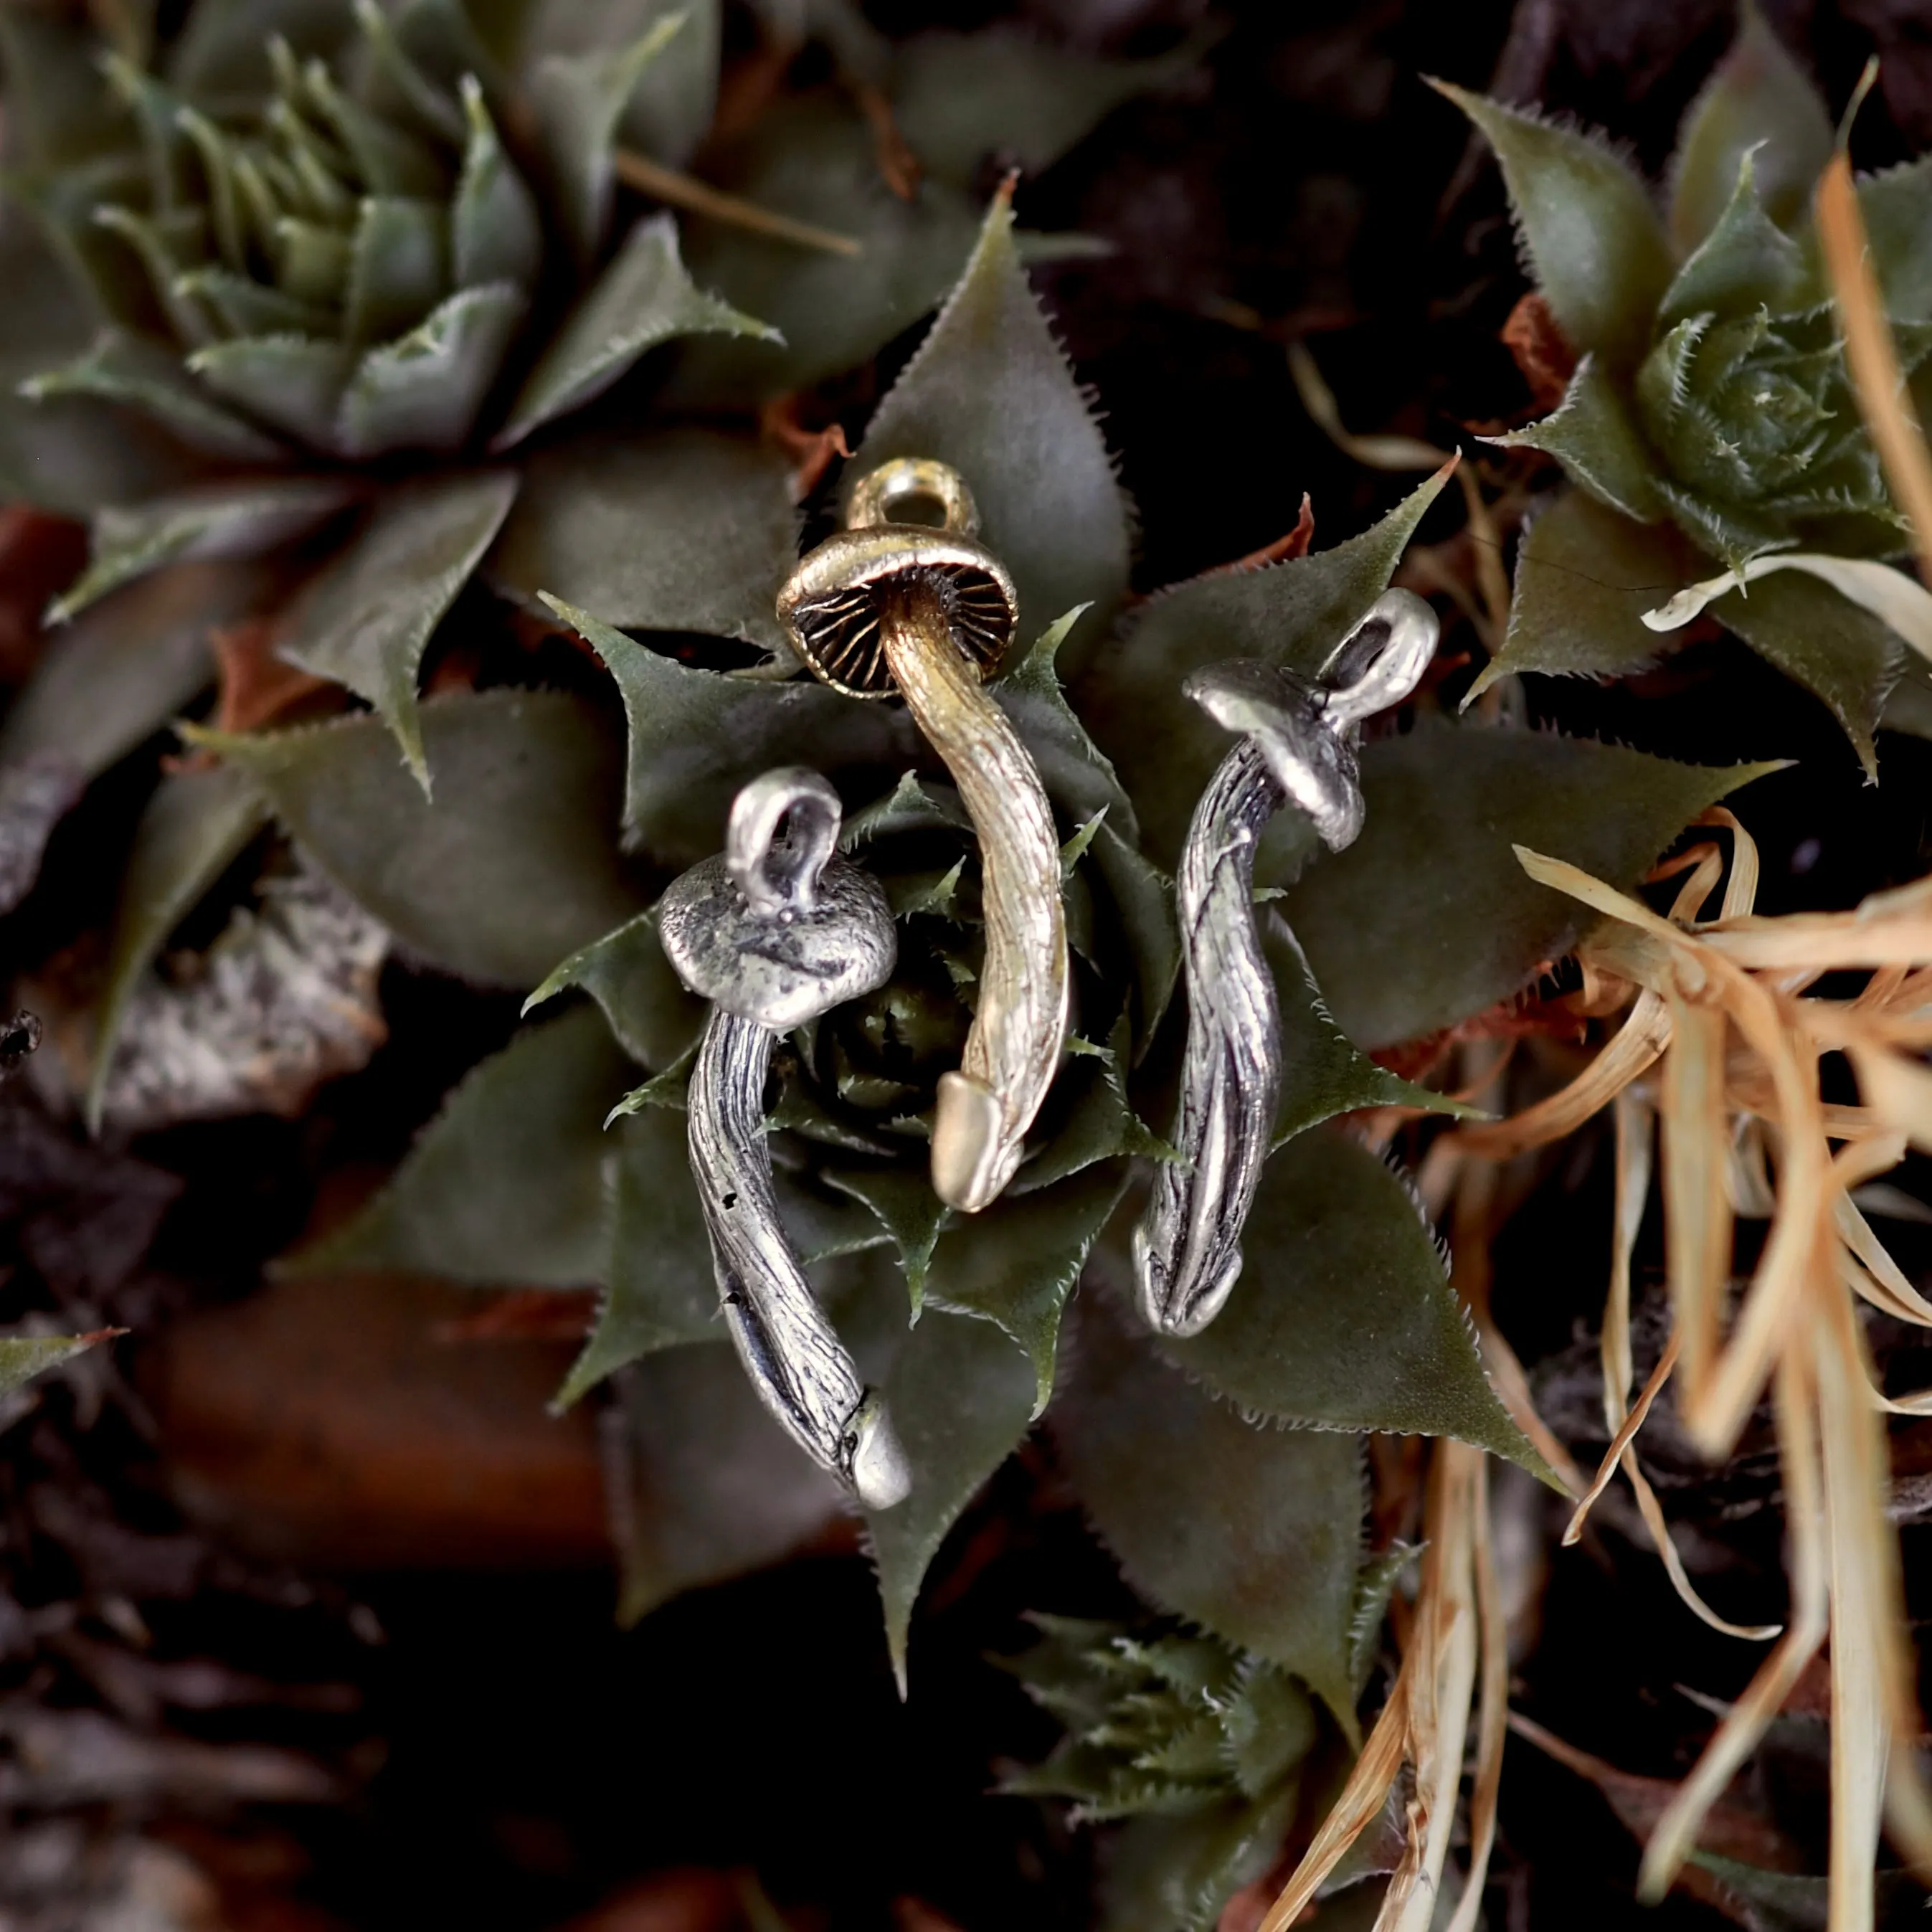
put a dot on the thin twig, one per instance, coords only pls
(696, 197)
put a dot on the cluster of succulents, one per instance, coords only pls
(1709, 421)
(368, 349)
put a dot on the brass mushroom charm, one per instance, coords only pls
(1298, 745)
(775, 932)
(894, 604)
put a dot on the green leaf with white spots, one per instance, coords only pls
(510, 867)
(1343, 1317)
(1428, 917)
(644, 298)
(961, 1397)
(1594, 436)
(1585, 575)
(505, 1188)
(656, 1020)
(139, 374)
(815, 161)
(1253, 1531)
(367, 620)
(1291, 614)
(696, 735)
(674, 529)
(990, 392)
(195, 827)
(1598, 248)
(660, 1291)
(423, 390)
(959, 98)
(216, 522)
(1759, 103)
(1016, 1263)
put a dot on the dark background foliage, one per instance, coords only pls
(507, 1758)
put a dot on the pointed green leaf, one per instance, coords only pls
(814, 161)
(215, 522)
(367, 620)
(626, 973)
(902, 1199)
(141, 375)
(223, 46)
(961, 1397)
(1746, 261)
(643, 298)
(128, 664)
(675, 529)
(1016, 1263)
(960, 98)
(423, 390)
(398, 267)
(1428, 918)
(1845, 657)
(242, 307)
(1897, 206)
(293, 383)
(389, 158)
(1176, 1874)
(1253, 1531)
(696, 735)
(671, 108)
(1323, 1072)
(1343, 1317)
(512, 867)
(24, 1357)
(1291, 614)
(194, 828)
(1585, 575)
(1909, 707)
(990, 392)
(1594, 238)
(394, 83)
(1758, 99)
(1594, 435)
(659, 1288)
(578, 101)
(505, 1188)
(496, 234)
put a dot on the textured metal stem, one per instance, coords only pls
(1019, 1026)
(796, 1363)
(1187, 1248)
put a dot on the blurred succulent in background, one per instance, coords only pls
(1709, 425)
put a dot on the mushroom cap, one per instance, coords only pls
(829, 605)
(782, 969)
(1286, 718)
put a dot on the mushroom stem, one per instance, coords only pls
(800, 1369)
(1013, 1047)
(1187, 1248)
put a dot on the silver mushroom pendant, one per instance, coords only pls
(1298, 745)
(775, 932)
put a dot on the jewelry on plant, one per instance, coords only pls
(894, 604)
(1297, 744)
(775, 932)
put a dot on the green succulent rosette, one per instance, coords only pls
(1710, 426)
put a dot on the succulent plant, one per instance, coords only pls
(1709, 423)
(523, 841)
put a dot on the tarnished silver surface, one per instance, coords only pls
(775, 931)
(1298, 745)
(905, 600)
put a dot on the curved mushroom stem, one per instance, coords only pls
(986, 1107)
(1187, 1248)
(798, 1365)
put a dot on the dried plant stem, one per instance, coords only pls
(696, 197)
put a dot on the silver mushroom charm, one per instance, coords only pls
(1298, 745)
(775, 932)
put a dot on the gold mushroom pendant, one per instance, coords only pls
(905, 600)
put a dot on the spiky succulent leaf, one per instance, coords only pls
(1593, 433)
(1897, 206)
(24, 1357)
(1177, 1874)
(510, 867)
(656, 1020)
(504, 1188)
(1758, 102)
(1253, 1532)
(1343, 1317)
(1428, 918)
(990, 392)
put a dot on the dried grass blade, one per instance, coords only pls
(1676, 1831)
(1898, 1090)
(1562, 877)
(1741, 888)
(1492, 1714)
(1656, 1522)
(698, 197)
(1374, 452)
(1626, 1434)
(1696, 1206)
